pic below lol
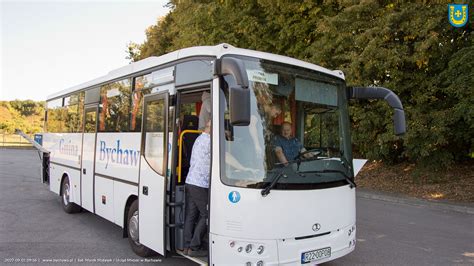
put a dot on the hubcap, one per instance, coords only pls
(66, 194)
(133, 228)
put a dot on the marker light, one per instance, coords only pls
(232, 244)
(248, 263)
(260, 263)
(260, 249)
(248, 248)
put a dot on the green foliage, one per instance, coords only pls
(409, 48)
(27, 116)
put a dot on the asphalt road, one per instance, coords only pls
(34, 228)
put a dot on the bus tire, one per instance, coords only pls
(68, 206)
(133, 232)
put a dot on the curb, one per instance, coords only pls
(375, 195)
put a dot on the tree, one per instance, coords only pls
(408, 47)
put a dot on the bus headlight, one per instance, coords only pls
(260, 250)
(240, 249)
(260, 263)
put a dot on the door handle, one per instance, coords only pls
(84, 171)
(145, 190)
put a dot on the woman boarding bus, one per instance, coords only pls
(121, 147)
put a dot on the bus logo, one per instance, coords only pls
(234, 196)
(316, 227)
(458, 15)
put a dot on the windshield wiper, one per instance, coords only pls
(280, 174)
(348, 179)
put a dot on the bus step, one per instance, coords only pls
(201, 261)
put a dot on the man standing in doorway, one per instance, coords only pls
(197, 189)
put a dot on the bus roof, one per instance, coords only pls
(216, 51)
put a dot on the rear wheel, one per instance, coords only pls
(133, 232)
(68, 206)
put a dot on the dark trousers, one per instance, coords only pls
(195, 216)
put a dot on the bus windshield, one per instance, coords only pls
(298, 129)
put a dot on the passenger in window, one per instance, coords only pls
(205, 113)
(287, 147)
(197, 186)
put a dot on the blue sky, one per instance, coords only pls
(48, 46)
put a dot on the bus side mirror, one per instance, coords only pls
(390, 97)
(239, 105)
(239, 96)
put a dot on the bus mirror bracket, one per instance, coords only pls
(239, 96)
(235, 67)
(389, 96)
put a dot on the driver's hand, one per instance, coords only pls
(309, 155)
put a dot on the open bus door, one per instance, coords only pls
(152, 180)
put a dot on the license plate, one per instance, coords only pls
(315, 255)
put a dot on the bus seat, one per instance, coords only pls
(190, 122)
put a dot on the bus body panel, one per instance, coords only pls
(104, 197)
(122, 191)
(65, 158)
(87, 178)
(290, 213)
(117, 159)
(55, 174)
(118, 155)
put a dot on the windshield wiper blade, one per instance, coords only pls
(280, 174)
(266, 190)
(348, 179)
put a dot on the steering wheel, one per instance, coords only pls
(315, 151)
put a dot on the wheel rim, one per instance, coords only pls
(133, 228)
(66, 194)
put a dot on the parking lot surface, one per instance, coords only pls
(34, 229)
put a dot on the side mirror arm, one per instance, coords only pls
(235, 67)
(389, 96)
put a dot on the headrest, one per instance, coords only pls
(190, 122)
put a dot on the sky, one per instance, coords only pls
(49, 46)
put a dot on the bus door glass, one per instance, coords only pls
(88, 148)
(152, 180)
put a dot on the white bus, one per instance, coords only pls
(120, 147)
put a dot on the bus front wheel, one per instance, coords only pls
(68, 206)
(133, 232)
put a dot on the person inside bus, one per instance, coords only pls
(205, 113)
(286, 146)
(196, 189)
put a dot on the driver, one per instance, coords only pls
(287, 147)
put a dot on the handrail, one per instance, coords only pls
(180, 143)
